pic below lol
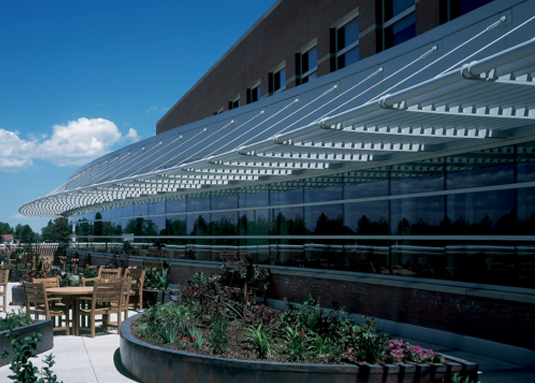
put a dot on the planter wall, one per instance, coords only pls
(153, 364)
(46, 343)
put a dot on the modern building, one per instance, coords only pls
(355, 138)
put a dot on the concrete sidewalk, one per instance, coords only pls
(82, 359)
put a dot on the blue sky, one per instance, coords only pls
(79, 79)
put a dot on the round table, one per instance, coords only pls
(71, 293)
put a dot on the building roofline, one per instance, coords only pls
(227, 53)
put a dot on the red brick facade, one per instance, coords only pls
(276, 39)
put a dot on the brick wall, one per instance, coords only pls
(499, 320)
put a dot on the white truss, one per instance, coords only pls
(482, 101)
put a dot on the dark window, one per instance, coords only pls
(451, 9)
(347, 44)
(308, 69)
(277, 81)
(323, 189)
(253, 196)
(288, 221)
(234, 104)
(254, 222)
(366, 183)
(399, 22)
(324, 220)
(525, 162)
(286, 193)
(254, 94)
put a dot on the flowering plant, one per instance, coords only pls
(403, 352)
(37, 274)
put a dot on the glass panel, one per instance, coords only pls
(365, 184)
(348, 34)
(348, 58)
(141, 210)
(286, 193)
(222, 201)
(175, 225)
(254, 196)
(417, 216)
(525, 162)
(324, 220)
(127, 211)
(198, 203)
(366, 218)
(309, 60)
(175, 206)
(157, 208)
(225, 223)
(323, 189)
(254, 222)
(395, 7)
(488, 167)
(404, 30)
(479, 213)
(198, 224)
(417, 177)
(525, 212)
(288, 221)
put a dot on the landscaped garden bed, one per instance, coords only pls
(23, 326)
(219, 333)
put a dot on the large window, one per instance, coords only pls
(307, 64)
(345, 41)
(451, 9)
(277, 79)
(399, 22)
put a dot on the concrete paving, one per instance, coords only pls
(82, 359)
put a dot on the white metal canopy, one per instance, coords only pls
(482, 101)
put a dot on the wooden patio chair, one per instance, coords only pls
(227, 257)
(4, 277)
(38, 304)
(103, 274)
(136, 290)
(105, 300)
(122, 307)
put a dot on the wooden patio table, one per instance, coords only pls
(72, 293)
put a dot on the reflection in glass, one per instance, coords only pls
(416, 216)
(175, 206)
(525, 162)
(288, 221)
(283, 193)
(484, 168)
(127, 211)
(480, 213)
(254, 196)
(198, 202)
(323, 189)
(157, 208)
(254, 222)
(324, 220)
(417, 177)
(224, 201)
(141, 210)
(365, 184)
(198, 224)
(366, 218)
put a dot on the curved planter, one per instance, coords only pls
(153, 364)
(46, 343)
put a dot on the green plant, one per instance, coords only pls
(23, 369)
(90, 273)
(157, 278)
(218, 335)
(14, 320)
(169, 331)
(196, 336)
(242, 274)
(457, 378)
(260, 339)
(67, 280)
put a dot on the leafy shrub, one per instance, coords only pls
(218, 335)
(14, 320)
(260, 339)
(242, 274)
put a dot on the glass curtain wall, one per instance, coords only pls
(468, 217)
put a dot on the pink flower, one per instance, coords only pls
(303, 335)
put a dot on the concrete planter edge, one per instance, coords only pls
(154, 364)
(46, 343)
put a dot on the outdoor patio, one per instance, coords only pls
(82, 359)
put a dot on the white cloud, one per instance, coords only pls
(75, 143)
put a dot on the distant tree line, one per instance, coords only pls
(55, 231)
